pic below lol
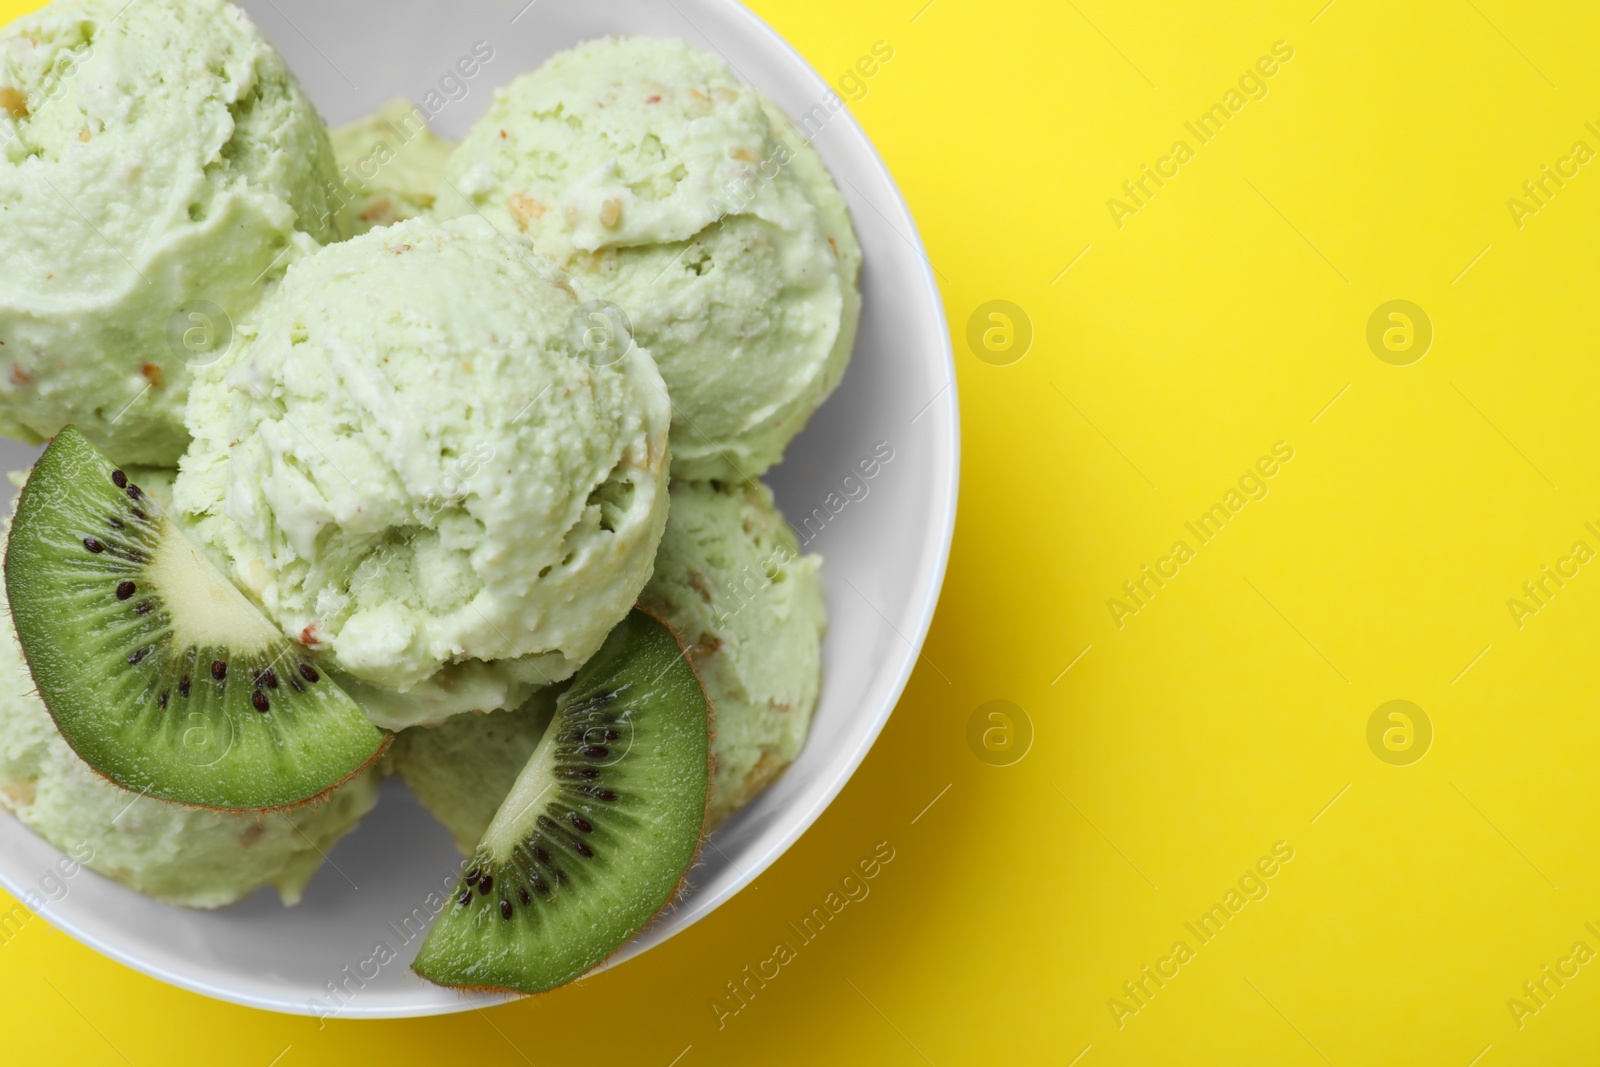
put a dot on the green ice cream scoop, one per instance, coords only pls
(730, 578)
(187, 856)
(389, 167)
(656, 178)
(159, 167)
(412, 462)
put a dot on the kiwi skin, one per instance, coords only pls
(214, 708)
(585, 895)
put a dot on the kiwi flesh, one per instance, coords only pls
(463, 768)
(157, 671)
(598, 831)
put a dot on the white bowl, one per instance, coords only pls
(885, 550)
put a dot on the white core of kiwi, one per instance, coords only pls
(205, 609)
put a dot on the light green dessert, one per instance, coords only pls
(159, 168)
(187, 856)
(410, 464)
(462, 770)
(809, 170)
(730, 579)
(652, 175)
(389, 167)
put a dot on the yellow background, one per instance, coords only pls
(1227, 714)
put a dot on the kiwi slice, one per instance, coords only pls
(157, 671)
(596, 835)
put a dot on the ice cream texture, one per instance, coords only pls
(186, 856)
(159, 168)
(657, 179)
(411, 463)
(389, 167)
(730, 579)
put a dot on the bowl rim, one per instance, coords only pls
(947, 484)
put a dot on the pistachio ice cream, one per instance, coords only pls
(389, 167)
(413, 464)
(730, 579)
(159, 168)
(654, 176)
